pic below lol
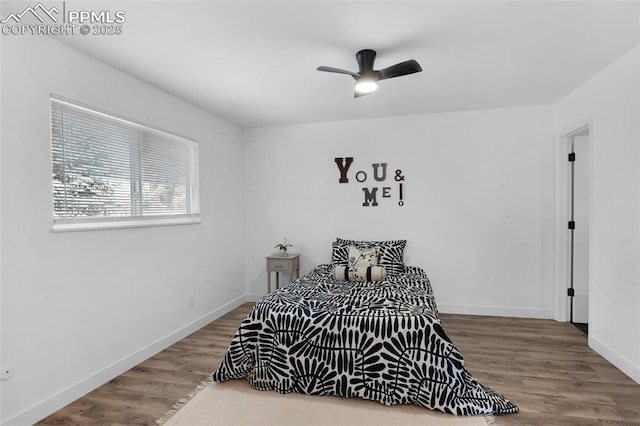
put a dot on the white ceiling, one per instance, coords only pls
(254, 63)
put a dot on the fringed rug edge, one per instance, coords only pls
(489, 418)
(183, 401)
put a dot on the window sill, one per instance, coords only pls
(66, 225)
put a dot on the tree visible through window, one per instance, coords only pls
(106, 168)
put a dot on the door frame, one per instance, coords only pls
(562, 301)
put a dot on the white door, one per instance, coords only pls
(580, 197)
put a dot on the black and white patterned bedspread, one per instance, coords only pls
(376, 340)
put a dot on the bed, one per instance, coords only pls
(364, 326)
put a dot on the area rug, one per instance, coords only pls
(235, 403)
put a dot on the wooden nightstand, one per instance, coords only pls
(278, 263)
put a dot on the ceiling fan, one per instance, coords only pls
(367, 78)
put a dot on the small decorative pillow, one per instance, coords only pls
(362, 256)
(360, 273)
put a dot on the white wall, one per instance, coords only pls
(478, 201)
(81, 307)
(611, 101)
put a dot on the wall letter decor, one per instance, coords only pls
(375, 172)
(370, 196)
(379, 173)
(344, 168)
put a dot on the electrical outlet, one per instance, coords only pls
(7, 372)
(192, 300)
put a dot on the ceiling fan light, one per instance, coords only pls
(366, 86)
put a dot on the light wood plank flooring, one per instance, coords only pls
(543, 366)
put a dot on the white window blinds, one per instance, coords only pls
(113, 171)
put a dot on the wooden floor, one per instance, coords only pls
(546, 369)
(543, 366)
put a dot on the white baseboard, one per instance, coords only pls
(623, 364)
(496, 311)
(55, 402)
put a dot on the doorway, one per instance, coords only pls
(578, 225)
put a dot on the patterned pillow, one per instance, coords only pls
(340, 253)
(362, 256)
(390, 253)
(360, 273)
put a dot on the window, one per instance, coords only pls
(112, 172)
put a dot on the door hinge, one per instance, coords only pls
(570, 292)
(572, 224)
(572, 156)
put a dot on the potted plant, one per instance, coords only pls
(283, 246)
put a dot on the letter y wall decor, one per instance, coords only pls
(377, 186)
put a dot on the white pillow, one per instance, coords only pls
(362, 256)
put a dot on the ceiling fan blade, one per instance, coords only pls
(337, 70)
(403, 68)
